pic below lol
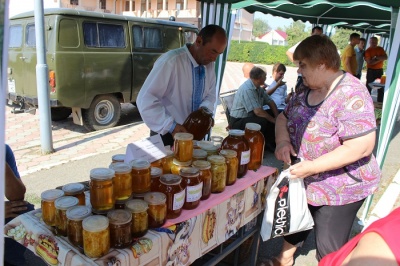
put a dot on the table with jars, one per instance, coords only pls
(166, 212)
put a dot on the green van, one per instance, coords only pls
(96, 61)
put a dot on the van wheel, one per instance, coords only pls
(104, 112)
(60, 113)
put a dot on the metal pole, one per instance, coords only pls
(42, 83)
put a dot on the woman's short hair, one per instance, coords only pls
(318, 49)
(257, 73)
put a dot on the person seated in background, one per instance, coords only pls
(246, 68)
(378, 244)
(248, 107)
(277, 88)
(14, 190)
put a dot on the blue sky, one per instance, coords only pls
(275, 22)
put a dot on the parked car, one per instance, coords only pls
(96, 61)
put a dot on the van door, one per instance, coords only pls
(15, 61)
(147, 46)
(29, 60)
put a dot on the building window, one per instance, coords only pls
(103, 35)
(179, 4)
(127, 6)
(74, 2)
(102, 4)
(143, 5)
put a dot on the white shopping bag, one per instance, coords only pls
(286, 211)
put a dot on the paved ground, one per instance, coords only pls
(77, 151)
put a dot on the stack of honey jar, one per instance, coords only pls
(127, 199)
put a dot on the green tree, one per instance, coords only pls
(296, 32)
(260, 27)
(341, 37)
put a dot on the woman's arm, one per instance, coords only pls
(15, 189)
(352, 150)
(283, 146)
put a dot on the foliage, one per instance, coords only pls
(258, 53)
(296, 33)
(260, 27)
(341, 37)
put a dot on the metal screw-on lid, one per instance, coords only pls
(51, 194)
(176, 162)
(253, 126)
(170, 179)
(201, 164)
(189, 172)
(118, 158)
(199, 153)
(102, 174)
(228, 153)
(95, 223)
(63, 203)
(73, 188)
(217, 139)
(155, 198)
(119, 217)
(121, 168)
(139, 164)
(78, 213)
(136, 205)
(236, 132)
(216, 159)
(155, 171)
(183, 136)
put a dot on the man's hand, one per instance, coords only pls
(281, 82)
(12, 207)
(179, 129)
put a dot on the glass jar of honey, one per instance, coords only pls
(75, 216)
(217, 141)
(96, 236)
(236, 141)
(199, 122)
(141, 179)
(155, 174)
(157, 208)
(156, 163)
(178, 165)
(205, 177)
(118, 158)
(140, 223)
(172, 188)
(76, 190)
(199, 154)
(231, 164)
(193, 185)
(218, 173)
(122, 180)
(120, 228)
(102, 196)
(209, 147)
(48, 208)
(256, 142)
(183, 146)
(139, 195)
(120, 204)
(167, 161)
(62, 205)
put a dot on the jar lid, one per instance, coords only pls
(102, 173)
(73, 188)
(95, 223)
(119, 217)
(217, 139)
(201, 164)
(183, 136)
(138, 195)
(205, 145)
(121, 168)
(199, 153)
(118, 158)
(236, 132)
(51, 194)
(188, 163)
(189, 172)
(217, 159)
(155, 198)
(155, 171)
(137, 205)
(253, 126)
(139, 164)
(228, 153)
(63, 203)
(78, 213)
(170, 179)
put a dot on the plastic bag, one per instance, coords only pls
(286, 211)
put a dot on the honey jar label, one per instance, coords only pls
(245, 159)
(179, 200)
(194, 193)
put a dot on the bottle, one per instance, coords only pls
(236, 141)
(199, 123)
(256, 142)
